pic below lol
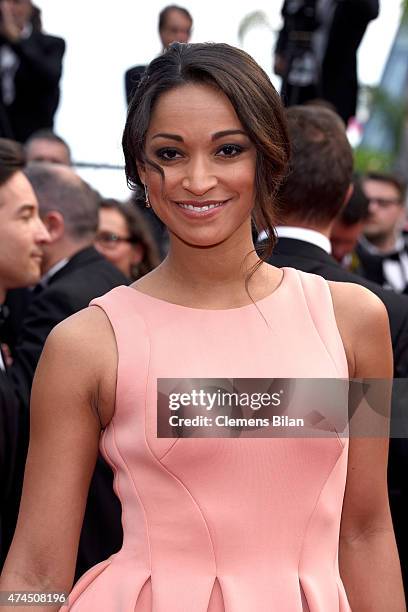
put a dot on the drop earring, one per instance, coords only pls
(147, 201)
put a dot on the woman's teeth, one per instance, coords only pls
(200, 208)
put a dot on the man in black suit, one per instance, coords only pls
(22, 235)
(30, 72)
(42, 146)
(382, 250)
(175, 24)
(316, 50)
(74, 273)
(311, 197)
(339, 68)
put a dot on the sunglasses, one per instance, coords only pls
(110, 239)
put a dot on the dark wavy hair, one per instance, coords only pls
(255, 100)
(12, 159)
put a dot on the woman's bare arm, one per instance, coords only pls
(76, 374)
(369, 562)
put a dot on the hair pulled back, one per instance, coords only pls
(252, 95)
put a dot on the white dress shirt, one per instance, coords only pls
(53, 270)
(301, 233)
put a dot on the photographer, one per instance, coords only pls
(295, 58)
(316, 51)
(30, 71)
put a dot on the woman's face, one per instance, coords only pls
(112, 241)
(208, 162)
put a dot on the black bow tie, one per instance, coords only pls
(393, 256)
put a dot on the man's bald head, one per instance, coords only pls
(59, 189)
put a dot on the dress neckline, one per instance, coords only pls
(258, 303)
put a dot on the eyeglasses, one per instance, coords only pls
(110, 239)
(384, 202)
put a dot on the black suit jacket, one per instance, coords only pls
(86, 276)
(36, 86)
(132, 78)
(311, 258)
(17, 301)
(11, 464)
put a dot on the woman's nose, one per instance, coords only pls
(200, 177)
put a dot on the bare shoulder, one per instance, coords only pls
(363, 323)
(356, 299)
(72, 394)
(84, 346)
(81, 329)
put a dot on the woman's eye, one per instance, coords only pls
(168, 154)
(229, 150)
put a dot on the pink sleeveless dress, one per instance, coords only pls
(221, 525)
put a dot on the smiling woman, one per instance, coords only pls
(240, 113)
(221, 524)
(224, 167)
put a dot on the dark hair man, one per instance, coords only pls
(74, 273)
(22, 236)
(382, 251)
(349, 226)
(175, 24)
(30, 71)
(22, 233)
(46, 146)
(311, 197)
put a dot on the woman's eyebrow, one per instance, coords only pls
(218, 135)
(171, 136)
(215, 136)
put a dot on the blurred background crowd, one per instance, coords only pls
(342, 209)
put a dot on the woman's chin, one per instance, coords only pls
(199, 242)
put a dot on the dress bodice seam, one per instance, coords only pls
(131, 479)
(156, 458)
(193, 499)
(306, 299)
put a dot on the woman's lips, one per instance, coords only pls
(200, 209)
